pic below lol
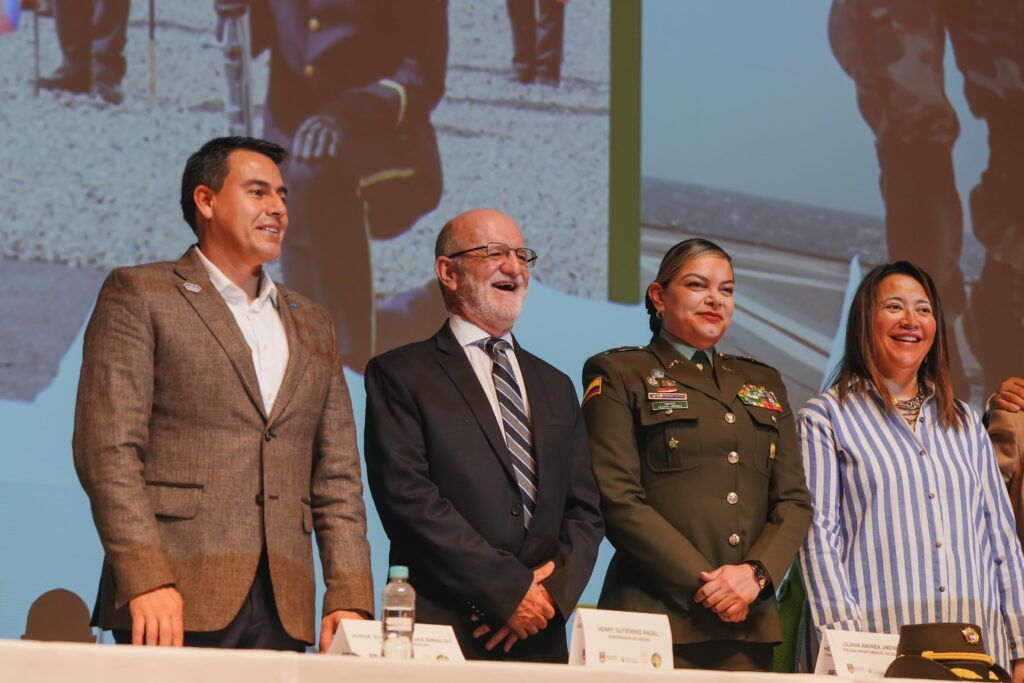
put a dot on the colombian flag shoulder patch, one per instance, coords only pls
(593, 389)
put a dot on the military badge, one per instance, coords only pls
(593, 389)
(971, 635)
(757, 395)
(666, 396)
(669, 405)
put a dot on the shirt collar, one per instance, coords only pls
(684, 349)
(929, 390)
(468, 334)
(229, 290)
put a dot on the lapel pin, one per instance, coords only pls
(292, 305)
(193, 287)
(673, 363)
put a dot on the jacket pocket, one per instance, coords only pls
(671, 442)
(767, 437)
(174, 500)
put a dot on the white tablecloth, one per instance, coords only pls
(27, 661)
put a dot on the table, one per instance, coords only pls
(25, 661)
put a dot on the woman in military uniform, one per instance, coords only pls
(701, 481)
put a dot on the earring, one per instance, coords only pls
(660, 314)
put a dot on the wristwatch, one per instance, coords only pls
(760, 575)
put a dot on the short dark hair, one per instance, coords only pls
(859, 366)
(675, 258)
(209, 167)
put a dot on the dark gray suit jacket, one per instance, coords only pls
(441, 477)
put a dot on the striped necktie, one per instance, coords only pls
(517, 425)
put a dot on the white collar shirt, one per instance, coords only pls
(260, 324)
(469, 336)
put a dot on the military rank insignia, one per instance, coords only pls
(593, 389)
(756, 395)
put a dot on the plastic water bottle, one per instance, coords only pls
(399, 610)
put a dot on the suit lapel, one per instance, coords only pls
(455, 364)
(686, 373)
(297, 353)
(210, 307)
(729, 381)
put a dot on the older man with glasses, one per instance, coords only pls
(477, 459)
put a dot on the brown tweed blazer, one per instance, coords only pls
(187, 474)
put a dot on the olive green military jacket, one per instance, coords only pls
(693, 476)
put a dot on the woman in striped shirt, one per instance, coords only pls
(911, 519)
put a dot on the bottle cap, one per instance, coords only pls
(398, 572)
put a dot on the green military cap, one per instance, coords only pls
(951, 652)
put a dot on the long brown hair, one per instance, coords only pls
(859, 366)
(673, 261)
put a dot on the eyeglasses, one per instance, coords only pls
(496, 252)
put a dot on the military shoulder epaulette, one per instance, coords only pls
(619, 349)
(729, 356)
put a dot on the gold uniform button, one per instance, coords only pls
(309, 70)
(734, 539)
(732, 498)
(733, 457)
(314, 24)
(774, 419)
(668, 412)
(730, 418)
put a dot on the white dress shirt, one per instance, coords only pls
(468, 335)
(261, 326)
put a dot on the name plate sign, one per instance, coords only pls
(364, 638)
(621, 640)
(859, 654)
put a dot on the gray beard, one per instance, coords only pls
(479, 299)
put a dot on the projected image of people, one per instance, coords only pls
(352, 86)
(893, 51)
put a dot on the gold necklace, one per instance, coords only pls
(911, 408)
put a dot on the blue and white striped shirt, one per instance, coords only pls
(908, 527)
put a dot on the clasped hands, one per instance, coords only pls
(728, 591)
(1010, 396)
(531, 617)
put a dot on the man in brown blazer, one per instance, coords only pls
(214, 432)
